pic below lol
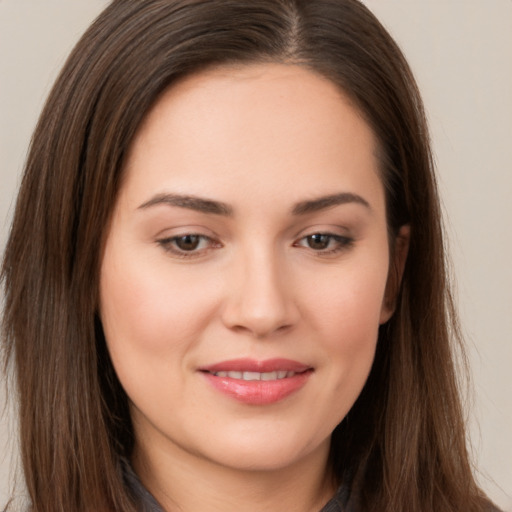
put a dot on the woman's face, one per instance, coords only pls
(244, 274)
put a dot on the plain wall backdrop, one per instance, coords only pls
(461, 53)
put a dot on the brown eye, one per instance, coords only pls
(187, 242)
(188, 245)
(325, 244)
(318, 242)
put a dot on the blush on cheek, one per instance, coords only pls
(353, 313)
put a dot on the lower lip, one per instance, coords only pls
(258, 392)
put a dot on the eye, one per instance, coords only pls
(188, 244)
(318, 241)
(325, 243)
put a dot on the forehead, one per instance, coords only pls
(283, 125)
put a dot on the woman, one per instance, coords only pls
(225, 283)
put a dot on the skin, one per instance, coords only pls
(260, 139)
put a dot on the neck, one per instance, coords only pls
(181, 481)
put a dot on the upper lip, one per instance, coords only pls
(253, 365)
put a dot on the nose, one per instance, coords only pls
(260, 297)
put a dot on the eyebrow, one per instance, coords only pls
(204, 205)
(324, 202)
(190, 202)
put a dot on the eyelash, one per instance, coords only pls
(342, 243)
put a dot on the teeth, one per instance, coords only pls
(281, 374)
(251, 376)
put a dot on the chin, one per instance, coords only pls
(265, 452)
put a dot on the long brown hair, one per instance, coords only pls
(402, 446)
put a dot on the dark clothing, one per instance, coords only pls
(339, 503)
(139, 492)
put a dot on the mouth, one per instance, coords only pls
(252, 376)
(257, 382)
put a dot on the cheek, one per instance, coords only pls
(347, 319)
(348, 305)
(351, 332)
(148, 313)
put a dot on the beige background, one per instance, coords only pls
(461, 52)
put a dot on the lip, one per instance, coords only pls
(252, 365)
(257, 392)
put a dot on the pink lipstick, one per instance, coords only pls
(257, 382)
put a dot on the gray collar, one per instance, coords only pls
(147, 503)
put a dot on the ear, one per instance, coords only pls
(399, 253)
